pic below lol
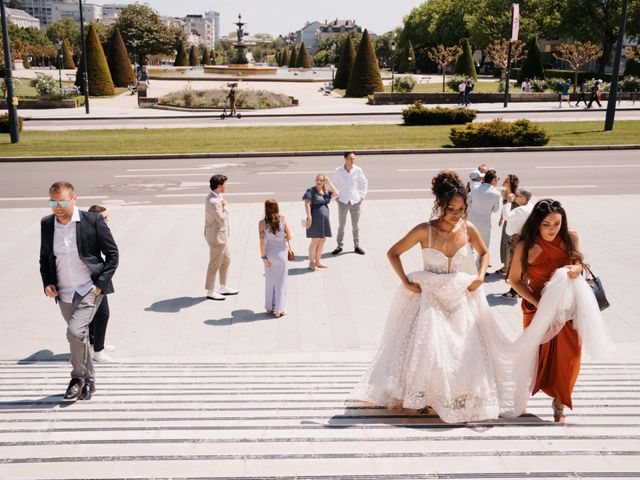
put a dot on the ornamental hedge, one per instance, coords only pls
(67, 56)
(4, 123)
(365, 76)
(99, 76)
(347, 56)
(181, 57)
(417, 114)
(498, 133)
(303, 60)
(119, 61)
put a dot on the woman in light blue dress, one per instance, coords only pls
(274, 235)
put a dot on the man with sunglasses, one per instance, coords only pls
(75, 274)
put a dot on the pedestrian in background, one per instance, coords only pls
(509, 187)
(352, 184)
(515, 212)
(582, 91)
(98, 326)
(78, 258)
(595, 94)
(461, 88)
(274, 235)
(216, 233)
(316, 204)
(483, 201)
(468, 88)
(564, 96)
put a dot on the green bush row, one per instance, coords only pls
(564, 74)
(4, 123)
(498, 133)
(417, 114)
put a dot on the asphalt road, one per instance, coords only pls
(185, 181)
(89, 123)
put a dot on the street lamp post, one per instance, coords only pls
(85, 75)
(58, 58)
(613, 90)
(393, 62)
(12, 101)
(333, 66)
(134, 44)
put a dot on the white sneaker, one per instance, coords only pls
(224, 290)
(102, 357)
(214, 295)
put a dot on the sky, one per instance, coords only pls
(283, 16)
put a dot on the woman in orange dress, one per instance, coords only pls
(546, 244)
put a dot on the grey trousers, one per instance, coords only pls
(78, 315)
(354, 210)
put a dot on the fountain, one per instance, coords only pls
(240, 65)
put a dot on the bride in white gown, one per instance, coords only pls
(441, 347)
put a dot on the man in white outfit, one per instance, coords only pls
(515, 218)
(483, 201)
(352, 185)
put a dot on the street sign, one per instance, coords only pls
(515, 24)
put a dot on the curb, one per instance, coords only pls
(319, 153)
(289, 115)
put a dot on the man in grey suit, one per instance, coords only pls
(216, 233)
(483, 201)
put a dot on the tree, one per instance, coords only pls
(119, 62)
(465, 64)
(365, 75)
(633, 61)
(532, 65)
(437, 22)
(193, 56)
(576, 55)
(206, 56)
(181, 57)
(65, 29)
(99, 77)
(14, 4)
(407, 63)
(443, 56)
(285, 57)
(67, 56)
(143, 24)
(498, 53)
(293, 57)
(303, 60)
(347, 57)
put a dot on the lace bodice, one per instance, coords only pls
(437, 262)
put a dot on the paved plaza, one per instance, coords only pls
(204, 389)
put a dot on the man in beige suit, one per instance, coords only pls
(216, 232)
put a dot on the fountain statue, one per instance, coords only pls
(240, 58)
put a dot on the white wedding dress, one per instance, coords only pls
(443, 349)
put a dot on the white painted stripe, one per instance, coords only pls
(432, 169)
(533, 189)
(186, 169)
(157, 175)
(46, 199)
(314, 172)
(397, 190)
(587, 166)
(203, 195)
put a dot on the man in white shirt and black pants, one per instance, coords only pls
(515, 219)
(352, 184)
(75, 274)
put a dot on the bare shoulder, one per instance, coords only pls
(261, 223)
(472, 230)
(573, 235)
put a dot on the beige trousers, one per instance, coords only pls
(219, 260)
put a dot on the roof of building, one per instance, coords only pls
(15, 13)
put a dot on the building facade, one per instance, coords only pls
(335, 27)
(203, 27)
(214, 18)
(21, 18)
(63, 10)
(308, 35)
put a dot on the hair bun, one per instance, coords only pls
(445, 182)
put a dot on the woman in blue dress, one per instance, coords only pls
(274, 234)
(316, 203)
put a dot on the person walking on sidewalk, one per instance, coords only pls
(595, 94)
(582, 91)
(461, 88)
(274, 235)
(75, 274)
(565, 93)
(468, 88)
(216, 233)
(352, 184)
(98, 326)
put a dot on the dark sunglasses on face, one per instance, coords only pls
(61, 203)
(546, 206)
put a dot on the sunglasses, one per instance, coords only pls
(546, 206)
(61, 203)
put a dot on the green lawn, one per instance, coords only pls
(24, 90)
(283, 138)
(436, 87)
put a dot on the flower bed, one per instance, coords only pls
(216, 98)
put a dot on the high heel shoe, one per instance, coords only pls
(558, 412)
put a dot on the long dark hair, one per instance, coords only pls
(514, 182)
(531, 230)
(445, 186)
(272, 215)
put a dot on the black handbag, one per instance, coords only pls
(598, 290)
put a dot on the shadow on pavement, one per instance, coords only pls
(240, 316)
(174, 305)
(44, 356)
(495, 299)
(50, 401)
(299, 271)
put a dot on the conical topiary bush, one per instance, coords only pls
(67, 56)
(464, 64)
(119, 61)
(347, 57)
(181, 57)
(206, 57)
(293, 57)
(99, 76)
(303, 60)
(285, 57)
(407, 62)
(193, 56)
(365, 76)
(532, 65)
